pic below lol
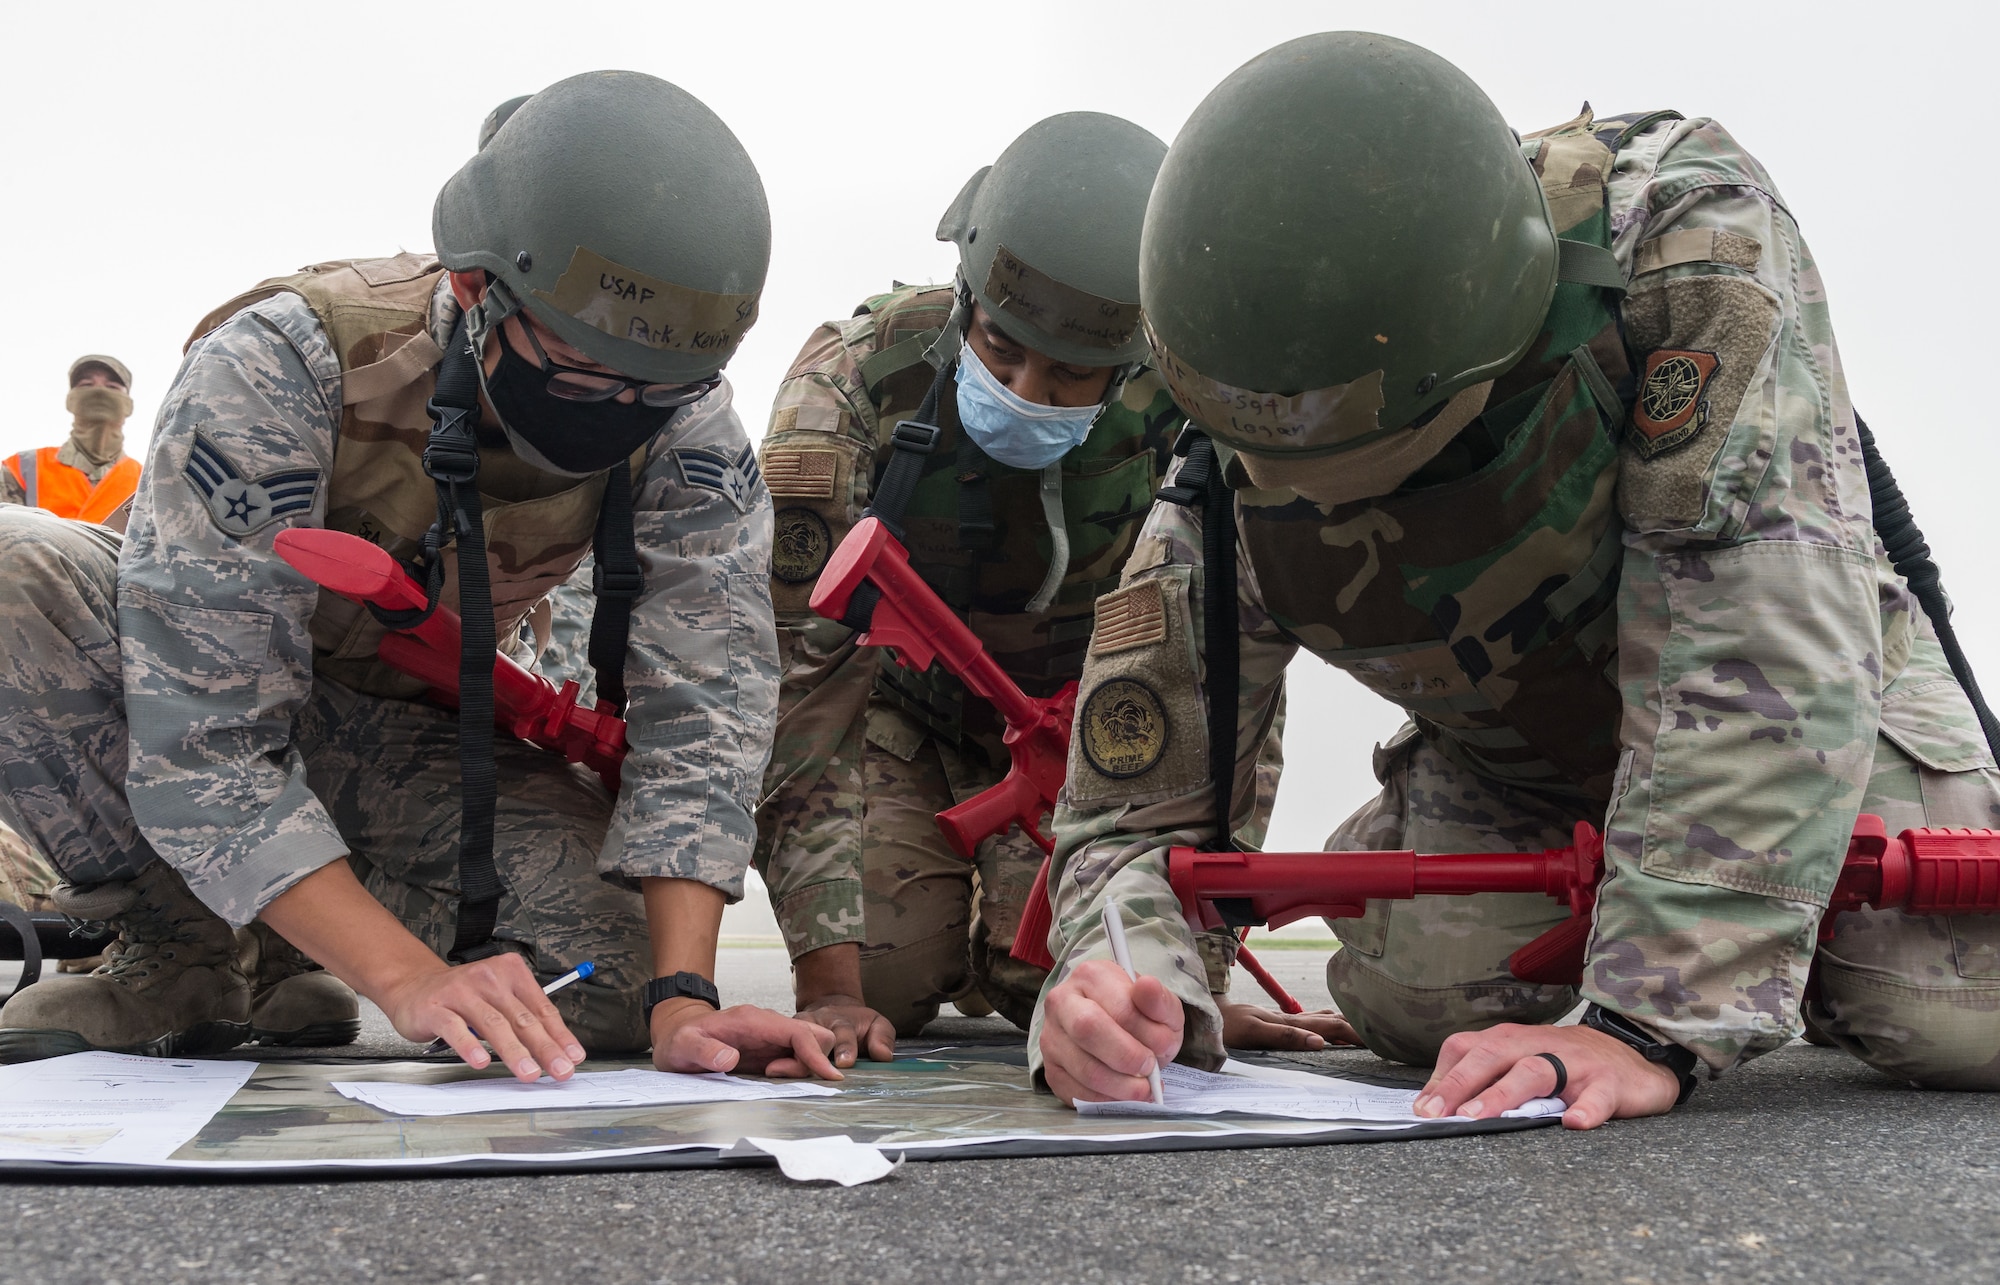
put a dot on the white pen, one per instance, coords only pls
(577, 974)
(1114, 928)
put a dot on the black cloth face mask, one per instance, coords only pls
(563, 434)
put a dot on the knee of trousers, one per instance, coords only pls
(1405, 1023)
(908, 983)
(1937, 1037)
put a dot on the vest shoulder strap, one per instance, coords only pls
(376, 313)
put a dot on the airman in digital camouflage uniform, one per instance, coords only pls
(1053, 437)
(279, 773)
(1546, 440)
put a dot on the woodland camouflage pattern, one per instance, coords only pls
(1772, 676)
(215, 661)
(866, 753)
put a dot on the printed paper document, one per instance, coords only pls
(1290, 1095)
(110, 1108)
(632, 1088)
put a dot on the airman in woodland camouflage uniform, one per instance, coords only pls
(1569, 472)
(1052, 437)
(197, 737)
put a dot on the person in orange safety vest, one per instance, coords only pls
(89, 476)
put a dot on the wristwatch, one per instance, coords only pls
(693, 985)
(1672, 1056)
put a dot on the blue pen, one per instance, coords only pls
(577, 974)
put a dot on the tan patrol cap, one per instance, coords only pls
(111, 364)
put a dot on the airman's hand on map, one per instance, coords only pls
(1482, 1073)
(497, 997)
(1250, 1026)
(690, 1036)
(857, 1028)
(1102, 1033)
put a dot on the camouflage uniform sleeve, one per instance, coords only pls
(1756, 618)
(11, 492)
(818, 459)
(702, 670)
(213, 624)
(1137, 783)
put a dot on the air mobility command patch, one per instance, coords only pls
(1123, 727)
(1673, 400)
(800, 545)
(241, 506)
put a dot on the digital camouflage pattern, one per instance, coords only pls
(217, 636)
(386, 771)
(852, 725)
(1766, 658)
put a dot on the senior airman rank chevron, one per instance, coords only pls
(241, 506)
(712, 468)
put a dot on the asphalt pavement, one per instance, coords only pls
(1803, 1166)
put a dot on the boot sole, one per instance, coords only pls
(196, 1041)
(312, 1035)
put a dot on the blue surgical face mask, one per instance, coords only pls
(1010, 428)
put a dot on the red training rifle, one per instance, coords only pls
(870, 576)
(1923, 872)
(526, 705)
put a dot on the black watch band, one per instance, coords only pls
(1680, 1061)
(692, 985)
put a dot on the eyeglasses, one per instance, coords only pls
(573, 385)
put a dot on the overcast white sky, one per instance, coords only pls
(162, 157)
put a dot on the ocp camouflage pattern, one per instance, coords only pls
(830, 434)
(1757, 653)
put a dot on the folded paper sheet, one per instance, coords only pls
(837, 1159)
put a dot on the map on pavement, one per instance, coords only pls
(968, 1102)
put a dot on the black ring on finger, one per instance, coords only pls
(1562, 1074)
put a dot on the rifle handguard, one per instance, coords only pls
(1920, 871)
(526, 705)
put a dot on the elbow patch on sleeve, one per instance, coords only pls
(1140, 734)
(1706, 340)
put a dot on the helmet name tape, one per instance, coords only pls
(1063, 311)
(627, 304)
(1315, 421)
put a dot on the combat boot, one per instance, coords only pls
(292, 999)
(169, 986)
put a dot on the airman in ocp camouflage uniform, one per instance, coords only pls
(1053, 436)
(1569, 472)
(582, 331)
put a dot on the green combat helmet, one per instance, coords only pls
(1048, 237)
(625, 216)
(1344, 247)
(498, 117)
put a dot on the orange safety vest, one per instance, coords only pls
(68, 492)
